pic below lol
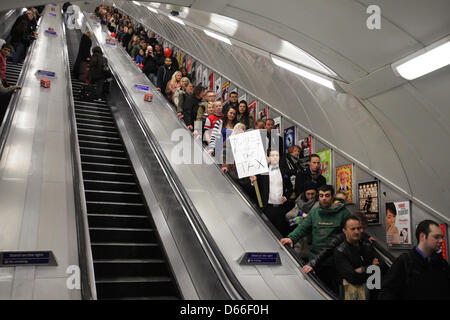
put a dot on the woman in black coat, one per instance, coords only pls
(84, 52)
(96, 71)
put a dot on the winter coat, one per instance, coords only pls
(323, 224)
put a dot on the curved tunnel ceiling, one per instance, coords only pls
(397, 129)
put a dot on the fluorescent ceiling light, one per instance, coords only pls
(303, 73)
(136, 3)
(176, 19)
(293, 53)
(152, 9)
(217, 36)
(424, 61)
(228, 25)
(155, 4)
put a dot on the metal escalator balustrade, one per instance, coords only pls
(129, 262)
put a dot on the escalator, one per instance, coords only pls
(129, 261)
(13, 72)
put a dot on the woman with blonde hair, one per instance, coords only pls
(173, 85)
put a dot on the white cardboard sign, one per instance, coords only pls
(249, 155)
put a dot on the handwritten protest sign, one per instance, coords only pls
(249, 155)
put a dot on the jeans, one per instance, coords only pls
(19, 52)
(153, 78)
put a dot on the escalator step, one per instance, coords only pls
(98, 138)
(110, 185)
(135, 287)
(121, 268)
(101, 151)
(116, 221)
(116, 208)
(108, 167)
(99, 144)
(126, 250)
(113, 196)
(121, 235)
(98, 132)
(104, 159)
(108, 176)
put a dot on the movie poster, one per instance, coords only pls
(225, 93)
(205, 74)
(189, 64)
(306, 149)
(443, 227)
(289, 138)
(277, 124)
(252, 106)
(198, 70)
(325, 164)
(184, 62)
(180, 58)
(344, 181)
(368, 201)
(217, 85)
(398, 223)
(211, 82)
(262, 114)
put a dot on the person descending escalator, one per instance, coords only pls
(96, 75)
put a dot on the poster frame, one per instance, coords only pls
(378, 201)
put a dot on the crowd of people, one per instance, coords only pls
(14, 49)
(294, 195)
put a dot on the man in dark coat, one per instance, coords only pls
(191, 103)
(165, 73)
(84, 52)
(421, 273)
(310, 175)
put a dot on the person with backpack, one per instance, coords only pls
(421, 273)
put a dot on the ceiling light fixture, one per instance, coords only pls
(217, 36)
(424, 61)
(303, 72)
(152, 9)
(176, 19)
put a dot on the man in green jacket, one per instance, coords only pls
(323, 223)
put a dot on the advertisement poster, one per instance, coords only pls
(444, 244)
(344, 181)
(198, 70)
(189, 64)
(211, 82)
(306, 150)
(368, 201)
(180, 58)
(205, 77)
(325, 164)
(217, 84)
(277, 124)
(398, 223)
(184, 62)
(289, 138)
(262, 114)
(252, 106)
(225, 89)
